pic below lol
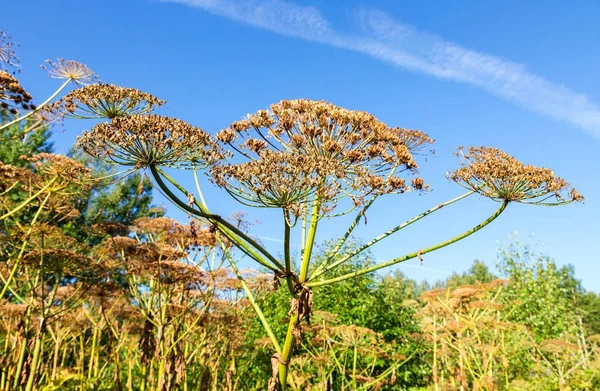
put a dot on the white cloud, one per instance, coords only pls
(270, 239)
(381, 37)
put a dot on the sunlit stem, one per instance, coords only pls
(229, 229)
(411, 255)
(343, 239)
(346, 235)
(199, 189)
(239, 238)
(23, 246)
(27, 201)
(250, 296)
(387, 372)
(36, 125)
(286, 353)
(354, 359)
(286, 251)
(323, 268)
(310, 240)
(38, 108)
(10, 188)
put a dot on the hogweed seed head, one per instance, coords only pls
(315, 147)
(278, 179)
(105, 101)
(151, 140)
(12, 94)
(499, 176)
(8, 58)
(67, 170)
(71, 70)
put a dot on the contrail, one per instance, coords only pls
(383, 38)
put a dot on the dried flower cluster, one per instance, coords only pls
(8, 59)
(56, 182)
(105, 101)
(278, 179)
(70, 70)
(67, 170)
(499, 176)
(300, 148)
(10, 174)
(61, 262)
(150, 260)
(45, 236)
(13, 95)
(150, 140)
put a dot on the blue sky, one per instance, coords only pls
(520, 76)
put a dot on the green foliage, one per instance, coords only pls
(123, 202)
(589, 305)
(15, 144)
(479, 272)
(542, 295)
(385, 305)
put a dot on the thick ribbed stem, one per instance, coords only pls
(240, 239)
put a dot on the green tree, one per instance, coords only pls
(589, 304)
(14, 144)
(543, 295)
(479, 272)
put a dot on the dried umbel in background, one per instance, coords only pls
(150, 140)
(104, 101)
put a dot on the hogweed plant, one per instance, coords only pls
(309, 159)
(312, 160)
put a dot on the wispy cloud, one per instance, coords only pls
(270, 239)
(382, 37)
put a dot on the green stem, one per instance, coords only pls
(202, 200)
(27, 201)
(354, 359)
(310, 240)
(23, 246)
(286, 353)
(323, 269)
(23, 349)
(286, 250)
(38, 108)
(411, 255)
(343, 239)
(93, 352)
(229, 229)
(36, 356)
(261, 315)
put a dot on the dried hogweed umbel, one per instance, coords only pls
(150, 140)
(70, 70)
(12, 94)
(316, 148)
(105, 101)
(499, 176)
(8, 59)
